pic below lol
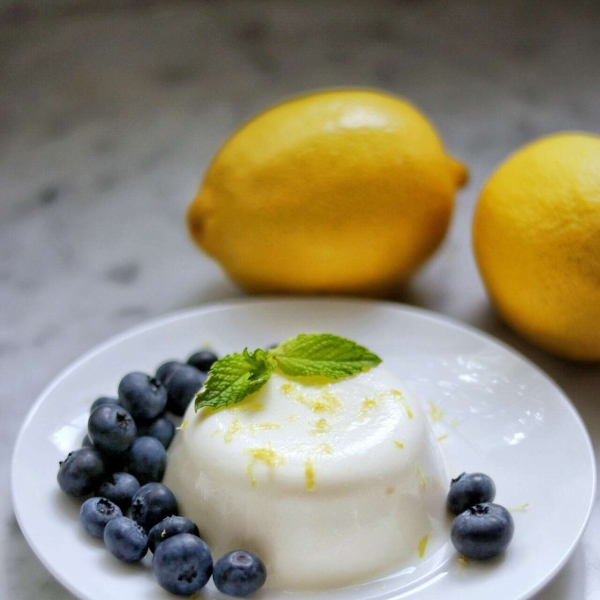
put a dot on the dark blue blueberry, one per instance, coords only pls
(169, 527)
(144, 397)
(239, 573)
(120, 488)
(182, 564)
(126, 540)
(182, 386)
(469, 489)
(482, 531)
(86, 442)
(147, 459)
(203, 360)
(111, 429)
(95, 513)
(166, 370)
(81, 472)
(162, 429)
(102, 401)
(153, 503)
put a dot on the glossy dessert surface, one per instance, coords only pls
(331, 483)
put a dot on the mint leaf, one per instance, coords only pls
(238, 375)
(324, 355)
(234, 377)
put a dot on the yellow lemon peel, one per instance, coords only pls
(321, 426)
(422, 477)
(265, 455)
(435, 413)
(309, 474)
(233, 429)
(399, 397)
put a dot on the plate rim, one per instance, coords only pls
(237, 302)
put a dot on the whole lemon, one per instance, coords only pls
(338, 191)
(536, 236)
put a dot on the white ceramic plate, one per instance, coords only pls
(501, 415)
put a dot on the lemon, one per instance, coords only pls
(344, 191)
(536, 236)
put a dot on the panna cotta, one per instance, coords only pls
(330, 483)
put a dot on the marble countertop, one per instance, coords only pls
(109, 117)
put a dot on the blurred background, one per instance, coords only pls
(111, 110)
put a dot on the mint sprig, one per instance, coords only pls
(323, 355)
(236, 376)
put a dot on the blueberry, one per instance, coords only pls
(95, 513)
(152, 503)
(182, 386)
(469, 489)
(482, 531)
(111, 429)
(239, 573)
(86, 442)
(182, 564)
(202, 360)
(102, 401)
(166, 370)
(144, 397)
(81, 472)
(169, 527)
(147, 459)
(162, 429)
(126, 540)
(120, 488)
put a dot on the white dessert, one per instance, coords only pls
(330, 484)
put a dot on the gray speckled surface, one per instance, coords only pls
(108, 118)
